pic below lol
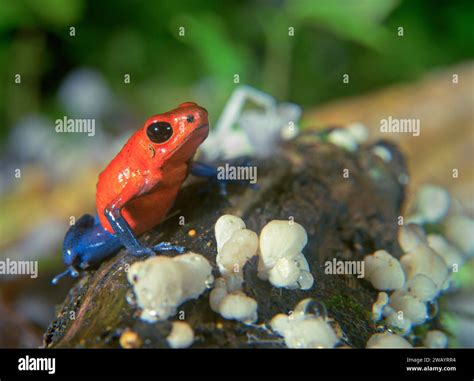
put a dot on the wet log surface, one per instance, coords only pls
(345, 218)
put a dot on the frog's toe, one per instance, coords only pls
(142, 252)
(167, 246)
(69, 271)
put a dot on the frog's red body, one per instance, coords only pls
(144, 178)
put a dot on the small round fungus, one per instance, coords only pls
(384, 271)
(411, 236)
(239, 306)
(310, 333)
(281, 261)
(236, 251)
(435, 339)
(285, 273)
(432, 202)
(181, 335)
(421, 287)
(162, 283)
(225, 226)
(230, 302)
(305, 327)
(387, 340)
(281, 238)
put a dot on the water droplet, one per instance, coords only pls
(305, 280)
(317, 308)
(209, 281)
(313, 307)
(130, 298)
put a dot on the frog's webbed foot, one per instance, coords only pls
(144, 251)
(167, 246)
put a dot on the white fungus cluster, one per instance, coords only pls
(301, 329)
(415, 280)
(235, 246)
(181, 335)
(162, 283)
(423, 272)
(281, 261)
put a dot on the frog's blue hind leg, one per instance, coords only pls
(211, 173)
(86, 243)
(203, 170)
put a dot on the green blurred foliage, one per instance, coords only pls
(249, 38)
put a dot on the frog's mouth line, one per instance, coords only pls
(198, 130)
(202, 126)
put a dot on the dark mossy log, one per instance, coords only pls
(347, 202)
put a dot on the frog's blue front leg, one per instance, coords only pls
(127, 238)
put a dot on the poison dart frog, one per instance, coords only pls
(138, 188)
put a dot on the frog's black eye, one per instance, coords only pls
(159, 132)
(190, 118)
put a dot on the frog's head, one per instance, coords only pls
(176, 134)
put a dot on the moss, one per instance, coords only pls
(345, 303)
(353, 318)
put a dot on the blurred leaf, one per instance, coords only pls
(56, 12)
(11, 14)
(358, 21)
(218, 52)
